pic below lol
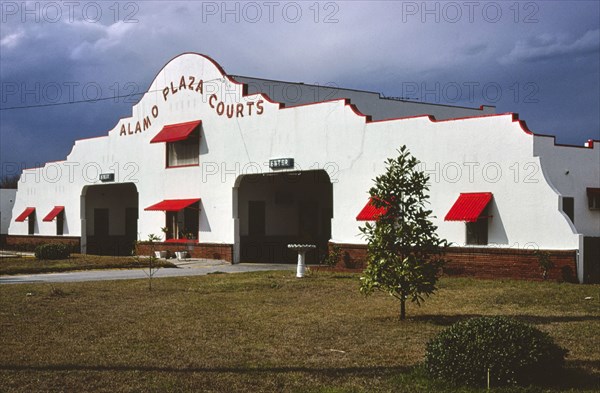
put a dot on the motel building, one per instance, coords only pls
(237, 168)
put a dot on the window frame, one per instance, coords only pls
(31, 224)
(193, 138)
(60, 224)
(189, 218)
(593, 201)
(570, 208)
(480, 229)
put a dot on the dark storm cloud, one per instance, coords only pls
(552, 46)
(540, 59)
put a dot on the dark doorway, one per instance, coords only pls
(277, 209)
(101, 223)
(110, 214)
(591, 260)
(131, 224)
(308, 221)
(256, 218)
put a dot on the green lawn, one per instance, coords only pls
(31, 265)
(265, 332)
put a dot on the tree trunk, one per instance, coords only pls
(402, 309)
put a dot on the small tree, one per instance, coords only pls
(153, 265)
(404, 253)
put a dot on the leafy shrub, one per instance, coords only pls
(52, 251)
(514, 353)
(333, 256)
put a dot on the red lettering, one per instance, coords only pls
(210, 100)
(250, 103)
(220, 108)
(129, 129)
(259, 107)
(147, 123)
(239, 110)
(199, 87)
(173, 89)
(154, 111)
(165, 93)
(182, 84)
(123, 132)
(230, 113)
(191, 85)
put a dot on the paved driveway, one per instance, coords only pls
(187, 268)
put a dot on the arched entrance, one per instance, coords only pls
(109, 217)
(276, 209)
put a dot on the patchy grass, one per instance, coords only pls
(31, 265)
(266, 332)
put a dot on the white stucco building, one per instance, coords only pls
(7, 201)
(236, 168)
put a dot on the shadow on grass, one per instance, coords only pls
(575, 376)
(332, 372)
(79, 268)
(447, 320)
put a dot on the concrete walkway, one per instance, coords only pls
(189, 267)
(13, 254)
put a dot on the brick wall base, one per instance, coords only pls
(195, 250)
(29, 243)
(482, 262)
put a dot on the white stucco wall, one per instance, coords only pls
(7, 200)
(571, 170)
(482, 154)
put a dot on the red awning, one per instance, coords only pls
(468, 206)
(26, 213)
(53, 213)
(370, 212)
(593, 191)
(176, 132)
(172, 205)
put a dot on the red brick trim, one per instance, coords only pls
(195, 250)
(483, 262)
(352, 256)
(510, 263)
(30, 242)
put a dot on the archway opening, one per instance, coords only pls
(277, 209)
(109, 219)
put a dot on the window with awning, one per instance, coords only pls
(56, 214)
(53, 213)
(593, 195)
(26, 213)
(182, 218)
(29, 215)
(470, 208)
(176, 132)
(370, 212)
(172, 205)
(182, 143)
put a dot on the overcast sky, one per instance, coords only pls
(540, 59)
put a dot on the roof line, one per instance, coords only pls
(380, 96)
